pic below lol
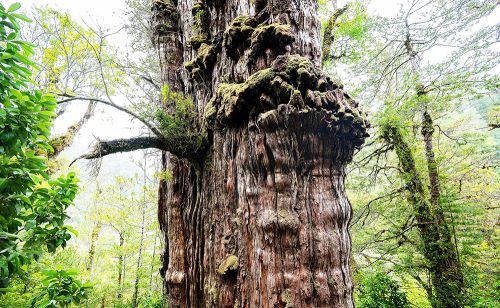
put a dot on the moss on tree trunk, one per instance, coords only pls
(436, 244)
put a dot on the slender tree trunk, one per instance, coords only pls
(93, 241)
(152, 263)
(141, 241)
(262, 219)
(120, 268)
(448, 281)
(437, 247)
(139, 258)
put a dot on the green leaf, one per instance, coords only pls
(14, 7)
(21, 17)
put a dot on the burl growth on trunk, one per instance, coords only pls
(262, 221)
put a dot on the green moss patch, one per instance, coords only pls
(291, 80)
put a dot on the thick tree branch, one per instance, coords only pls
(184, 147)
(106, 147)
(493, 126)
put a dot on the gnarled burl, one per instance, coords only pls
(262, 219)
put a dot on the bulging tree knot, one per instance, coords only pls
(245, 36)
(204, 62)
(292, 83)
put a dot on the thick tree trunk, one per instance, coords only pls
(262, 220)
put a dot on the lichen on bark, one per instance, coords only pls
(229, 264)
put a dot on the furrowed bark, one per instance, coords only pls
(264, 221)
(173, 195)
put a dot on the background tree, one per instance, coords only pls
(417, 91)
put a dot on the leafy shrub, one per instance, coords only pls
(32, 205)
(380, 291)
(60, 288)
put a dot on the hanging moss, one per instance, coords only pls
(237, 36)
(231, 98)
(166, 17)
(197, 40)
(201, 21)
(198, 7)
(244, 33)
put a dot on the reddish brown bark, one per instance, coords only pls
(262, 221)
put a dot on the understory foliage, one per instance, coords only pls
(60, 288)
(33, 205)
(379, 290)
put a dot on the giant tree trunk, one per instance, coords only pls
(260, 218)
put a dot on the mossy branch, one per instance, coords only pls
(328, 37)
(106, 147)
(178, 146)
(60, 143)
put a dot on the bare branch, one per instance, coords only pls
(129, 112)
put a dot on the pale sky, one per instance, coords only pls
(105, 11)
(107, 123)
